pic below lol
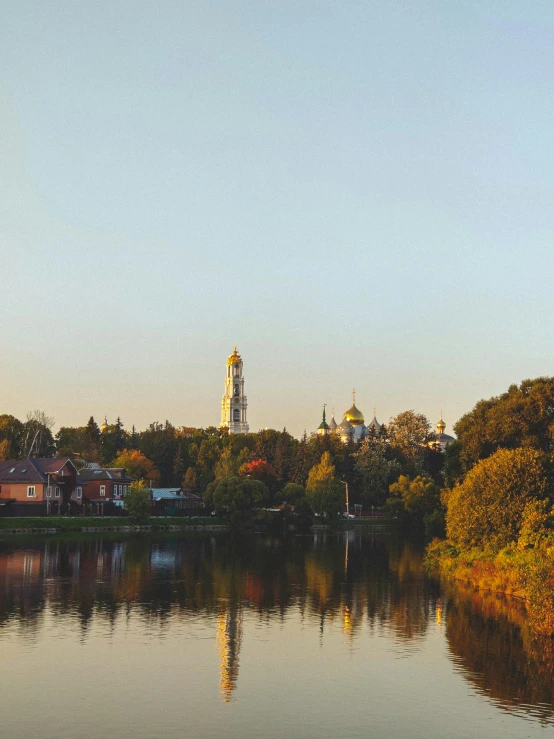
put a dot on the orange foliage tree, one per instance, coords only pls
(137, 465)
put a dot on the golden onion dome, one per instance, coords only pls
(441, 426)
(354, 416)
(234, 358)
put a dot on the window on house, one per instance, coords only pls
(48, 492)
(31, 491)
(57, 492)
(79, 492)
(102, 490)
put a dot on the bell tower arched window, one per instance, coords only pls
(236, 415)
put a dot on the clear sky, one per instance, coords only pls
(359, 193)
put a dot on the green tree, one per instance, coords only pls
(303, 515)
(375, 469)
(408, 435)
(137, 501)
(179, 465)
(237, 495)
(486, 509)
(522, 416)
(159, 443)
(415, 498)
(227, 465)
(292, 493)
(325, 493)
(301, 464)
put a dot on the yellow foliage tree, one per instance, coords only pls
(486, 509)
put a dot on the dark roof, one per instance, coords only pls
(88, 474)
(32, 469)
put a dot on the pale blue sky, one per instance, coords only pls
(358, 193)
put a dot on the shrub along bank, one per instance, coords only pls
(500, 531)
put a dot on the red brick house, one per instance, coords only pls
(38, 483)
(103, 484)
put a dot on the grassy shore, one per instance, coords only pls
(58, 524)
(523, 573)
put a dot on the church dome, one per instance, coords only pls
(234, 358)
(345, 427)
(354, 416)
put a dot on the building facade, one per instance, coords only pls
(102, 484)
(233, 402)
(39, 482)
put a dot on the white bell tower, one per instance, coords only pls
(233, 403)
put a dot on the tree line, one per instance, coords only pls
(238, 471)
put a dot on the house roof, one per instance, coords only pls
(32, 469)
(172, 494)
(88, 474)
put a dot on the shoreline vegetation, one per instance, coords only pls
(499, 501)
(527, 576)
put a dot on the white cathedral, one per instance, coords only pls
(233, 402)
(352, 425)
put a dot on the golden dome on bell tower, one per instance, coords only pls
(235, 357)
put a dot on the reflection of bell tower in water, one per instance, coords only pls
(229, 638)
(233, 403)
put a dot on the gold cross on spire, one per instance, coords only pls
(353, 396)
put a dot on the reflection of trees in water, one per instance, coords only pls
(328, 576)
(489, 638)
(346, 581)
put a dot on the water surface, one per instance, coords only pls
(252, 636)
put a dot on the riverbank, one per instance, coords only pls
(92, 524)
(526, 574)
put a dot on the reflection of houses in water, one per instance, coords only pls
(229, 638)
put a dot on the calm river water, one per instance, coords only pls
(327, 635)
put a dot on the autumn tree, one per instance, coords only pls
(137, 465)
(189, 480)
(414, 497)
(12, 433)
(260, 469)
(486, 509)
